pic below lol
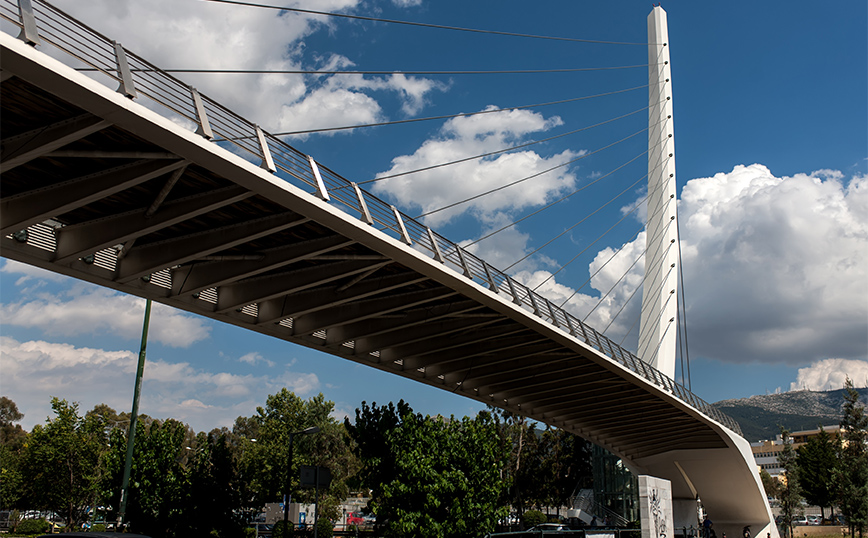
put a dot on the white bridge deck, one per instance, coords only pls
(246, 230)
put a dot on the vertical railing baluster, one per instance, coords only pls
(491, 285)
(438, 254)
(552, 313)
(320, 186)
(402, 230)
(29, 33)
(464, 265)
(127, 87)
(363, 206)
(533, 302)
(204, 128)
(584, 332)
(515, 298)
(570, 326)
(267, 161)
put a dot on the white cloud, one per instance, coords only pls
(776, 268)
(87, 309)
(468, 136)
(255, 358)
(830, 374)
(206, 35)
(29, 272)
(91, 376)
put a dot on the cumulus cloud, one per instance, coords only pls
(91, 376)
(468, 136)
(830, 374)
(610, 300)
(776, 269)
(87, 309)
(205, 35)
(29, 273)
(255, 358)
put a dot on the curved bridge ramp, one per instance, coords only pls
(246, 230)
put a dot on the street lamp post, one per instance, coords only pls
(287, 490)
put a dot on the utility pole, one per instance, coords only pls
(658, 328)
(125, 487)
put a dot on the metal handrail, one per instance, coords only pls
(178, 101)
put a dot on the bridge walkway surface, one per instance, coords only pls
(157, 191)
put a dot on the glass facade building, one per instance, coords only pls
(615, 487)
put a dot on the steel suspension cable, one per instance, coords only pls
(603, 298)
(531, 177)
(424, 25)
(623, 306)
(630, 330)
(450, 116)
(633, 238)
(562, 267)
(683, 309)
(460, 202)
(638, 204)
(586, 217)
(379, 72)
(660, 342)
(573, 226)
(655, 296)
(505, 150)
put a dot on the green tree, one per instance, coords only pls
(817, 461)
(264, 463)
(12, 439)
(565, 464)
(58, 463)
(790, 496)
(528, 481)
(430, 476)
(851, 474)
(159, 484)
(215, 495)
(771, 485)
(10, 432)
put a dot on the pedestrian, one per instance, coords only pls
(706, 527)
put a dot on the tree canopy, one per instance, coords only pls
(430, 476)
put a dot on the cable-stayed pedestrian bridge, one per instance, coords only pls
(130, 179)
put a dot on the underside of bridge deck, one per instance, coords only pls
(97, 187)
(104, 204)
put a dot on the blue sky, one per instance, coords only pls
(771, 127)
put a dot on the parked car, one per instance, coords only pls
(814, 520)
(356, 518)
(800, 520)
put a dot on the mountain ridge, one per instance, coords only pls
(761, 416)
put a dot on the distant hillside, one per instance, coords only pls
(760, 417)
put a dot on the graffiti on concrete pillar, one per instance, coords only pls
(657, 514)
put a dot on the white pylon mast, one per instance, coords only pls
(658, 326)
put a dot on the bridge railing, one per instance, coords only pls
(85, 49)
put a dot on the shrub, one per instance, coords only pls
(98, 527)
(33, 526)
(324, 528)
(279, 532)
(532, 518)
